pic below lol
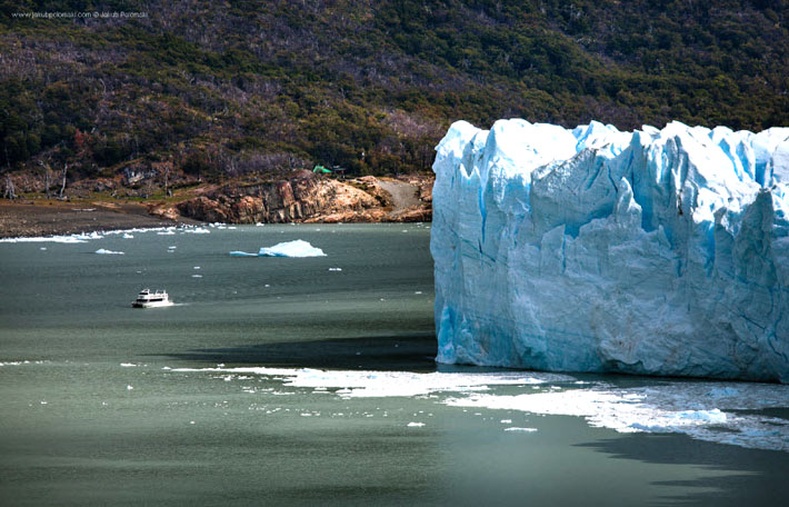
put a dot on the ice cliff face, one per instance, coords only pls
(653, 252)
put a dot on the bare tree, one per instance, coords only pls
(10, 193)
(47, 177)
(167, 191)
(63, 187)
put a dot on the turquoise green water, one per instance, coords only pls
(103, 404)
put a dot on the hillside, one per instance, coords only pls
(172, 94)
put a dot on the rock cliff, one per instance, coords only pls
(306, 197)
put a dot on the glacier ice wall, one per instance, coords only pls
(650, 252)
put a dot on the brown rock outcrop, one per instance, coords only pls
(305, 197)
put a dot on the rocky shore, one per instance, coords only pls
(304, 197)
(29, 218)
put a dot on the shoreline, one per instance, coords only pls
(366, 199)
(27, 218)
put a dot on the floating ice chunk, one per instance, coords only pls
(415, 424)
(239, 253)
(104, 251)
(47, 239)
(90, 235)
(295, 248)
(19, 363)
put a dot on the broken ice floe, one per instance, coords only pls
(295, 248)
(723, 412)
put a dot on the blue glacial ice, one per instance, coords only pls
(656, 251)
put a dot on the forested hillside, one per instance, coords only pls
(220, 89)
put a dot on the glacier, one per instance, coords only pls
(656, 252)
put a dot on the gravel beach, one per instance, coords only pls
(29, 218)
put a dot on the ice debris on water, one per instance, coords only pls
(104, 251)
(521, 430)
(723, 412)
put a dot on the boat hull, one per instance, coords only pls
(151, 304)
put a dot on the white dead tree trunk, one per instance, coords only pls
(10, 192)
(63, 186)
(47, 177)
(167, 191)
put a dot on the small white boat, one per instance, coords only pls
(148, 299)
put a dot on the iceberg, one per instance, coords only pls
(104, 251)
(295, 248)
(657, 251)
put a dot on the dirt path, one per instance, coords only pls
(404, 195)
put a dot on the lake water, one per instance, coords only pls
(310, 381)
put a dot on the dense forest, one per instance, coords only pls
(222, 89)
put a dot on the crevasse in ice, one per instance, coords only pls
(650, 252)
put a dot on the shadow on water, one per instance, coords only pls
(737, 476)
(415, 352)
(748, 476)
